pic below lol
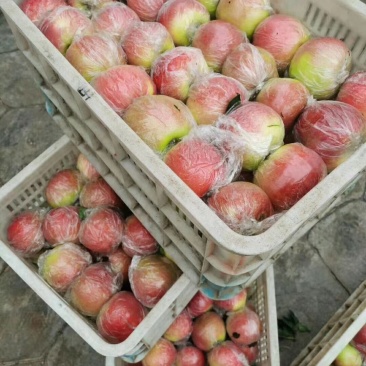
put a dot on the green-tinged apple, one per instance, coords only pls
(349, 356)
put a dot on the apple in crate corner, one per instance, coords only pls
(144, 42)
(199, 304)
(251, 352)
(175, 70)
(147, 10)
(35, 10)
(322, 65)
(158, 120)
(190, 356)
(120, 316)
(162, 354)
(120, 263)
(234, 304)
(86, 169)
(225, 354)
(25, 234)
(349, 356)
(63, 24)
(216, 40)
(181, 328)
(182, 18)
(244, 14)
(121, 85)
(62, 264)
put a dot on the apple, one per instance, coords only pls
(62, 225)
(93, 54)
(334, 130)
(216, 40)
(86, 169)
(136, 240)
(360, 337)
(288, 97)
(190, 356)
(99, 193)
(349, 356)
(151, 277)
(182, 18)
(162, 354)
(89, 6)
(63, 188)
(244, 14)
(25, 234)
(244, 327)
(144, 42)
(62, 264)
(199, 304)
(120, 263)
(226, 353)
(210, 95)
(181, 328)
(281, 35)
(208, 331)
(251, 352)
(289, 173)
(353, 92)
(176, 70)
(322, 65)
(114, 19)
(211, 6)
(101, 231)
(250, 65)
(120, 85)
(234, 304)
(260, 129)
(36, 10)
(147, 10)
(62, 24)
(119, 317)
(159, 120)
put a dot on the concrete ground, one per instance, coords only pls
(313, 278)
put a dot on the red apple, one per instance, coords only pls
(181, 329)
(334, 130)
(136, 240)
(349, 356)
(62, 225)
(25, 234)
(62, 264)
(144, 42)
(119, 317)
(36, 10)
(159, 120)
(101, 231)
(199, 304)
(226, 353)
(190, 356)
(244, 327)
(251, 65)
(114, 19)
(360, 347)
(86, 169)
(120, 85)
(241, 205)
(360, 337)
(120, 263)
(182, 18)
(210, 96)
(147, 10)
(99, 193)
(93, 54)
(175, 70)
(208, 331)
(216, 40)
(251, 352)
(234, 304)
(281, 35)
(151, 277)
(162, 354)
(63, 24)
(353, 92)
(289, 173)
(288, 97)
(63, 188)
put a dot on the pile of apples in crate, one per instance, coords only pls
(110, 269)
(185, 77)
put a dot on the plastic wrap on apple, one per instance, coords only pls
(188, 355)
(227, 353)
(147, 10)
(251, 65)
(180, 330)
(333, 129)
(36, 10)
(163, 353)
(62, 264)
(86, 169)
(88, 6)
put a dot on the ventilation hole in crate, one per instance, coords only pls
(316, 14)
(310, 7)
(10, 208)
(322, 22)
(330, 26)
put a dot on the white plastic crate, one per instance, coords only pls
(26, 191)
(205, 248)
(337, 333)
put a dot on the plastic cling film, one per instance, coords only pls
(180, 330)
(62, 264)
(163, 353)
(93, 54)
(250, 65)
(147, 10)
(101, 231)
(37, 10)
(224, 351)
(86, 169)
(333, 129)
(120, 263)
(199, 304)
(88, 6)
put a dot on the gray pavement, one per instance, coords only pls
(313, 278)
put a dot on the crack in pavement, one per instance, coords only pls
(58, 336)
